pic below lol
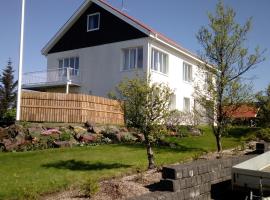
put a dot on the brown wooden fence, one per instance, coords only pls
(69, 108)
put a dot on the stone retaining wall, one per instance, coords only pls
(193, 180)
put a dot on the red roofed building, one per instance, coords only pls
(243, 113)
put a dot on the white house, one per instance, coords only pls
(100, 45)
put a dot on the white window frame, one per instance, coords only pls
(94, 29)
(160, 67)
(74, 71)
(129, 58)
(186, 76)
(185, 109)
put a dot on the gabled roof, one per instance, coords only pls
(243, 111)
(130, 20)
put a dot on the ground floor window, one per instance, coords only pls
(72, 62)
(186, 106)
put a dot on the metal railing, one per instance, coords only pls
(52, 76)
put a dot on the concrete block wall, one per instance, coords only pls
(193, 180)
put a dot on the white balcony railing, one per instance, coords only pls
(51, 77)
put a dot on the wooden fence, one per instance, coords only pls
(69, 108)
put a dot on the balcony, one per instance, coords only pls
(41, 80)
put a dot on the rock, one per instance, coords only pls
(63, 144)
(195, 131)
(140, 137)
(123, 129)
(14, 129)
(90, 126)
(79, 130)
(20, 139)
(99, 129)
(51, 132)
(88, 138)
(3, 133)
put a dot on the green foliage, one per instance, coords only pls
(128, 138)
(146, 106)
(7, 91)
(65, 136)
(9, 116)
(264, 134)
(223, 44)
(264, 107)
(90, 187)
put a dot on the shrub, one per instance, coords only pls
(264, 134)
(65, 136)
(128, 138)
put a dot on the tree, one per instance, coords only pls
(226, 57)
(264, 107)
(146, 106)
(7, 90)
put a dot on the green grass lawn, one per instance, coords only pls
(25, 175)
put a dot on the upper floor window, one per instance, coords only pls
(159, 61)
(93, 21)
(133, 58)
(186, 104)
(72, 63)
(187, 72)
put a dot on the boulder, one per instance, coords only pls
(51, 132)
(63, 144)
(3, 133)
(90, 126)
(140, 137)
(14, 130)
(195, 131)
(20, 139)
(88, 138)
(99, 129)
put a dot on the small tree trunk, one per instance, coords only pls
(150, 154)
(218, 140)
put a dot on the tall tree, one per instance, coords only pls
(263, 99)
(7, 89)
(146, 106)
(223, 48)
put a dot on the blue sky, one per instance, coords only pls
(180, 20)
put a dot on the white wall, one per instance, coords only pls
(174, 79)
(101, 66)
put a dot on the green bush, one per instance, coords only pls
(182, 131)
(128, 138)
(264, 134)
(65, 136)
(8, 117)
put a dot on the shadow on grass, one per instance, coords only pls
(172, 147)
(84, 166)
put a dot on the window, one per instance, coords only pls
(173, 102)
(133, 58)
(93, 21)
(187, 72)
(186, 104)
(72, 63)
(159, 61)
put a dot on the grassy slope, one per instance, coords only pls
(29, 173)
(208, 142)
